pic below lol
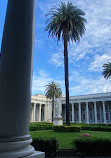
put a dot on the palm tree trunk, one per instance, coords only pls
(66, 75)
(52, 108)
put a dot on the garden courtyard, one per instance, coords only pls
(65, 138)
(80, 138)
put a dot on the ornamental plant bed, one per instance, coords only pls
(65, 138)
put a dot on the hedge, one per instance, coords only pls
(97, 128)
(92, 124)
(74, 127)
(49, 146)
(67, 128)
(34, 126)
(92, 146)
(94, 127)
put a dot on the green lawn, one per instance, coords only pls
(64, 138)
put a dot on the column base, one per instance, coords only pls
(37, 154)
(18, 147)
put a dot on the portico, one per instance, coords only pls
(90, 109)
(93, 108)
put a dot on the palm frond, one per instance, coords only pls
(66, 14)
(106, 70)
(53, 90)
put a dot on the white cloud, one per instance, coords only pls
(86, 85)
(97, 38)
(79, 85)
(41, 80)
(57, 59)
(98, 62)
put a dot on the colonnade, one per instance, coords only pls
(37, 112)
(99, 112)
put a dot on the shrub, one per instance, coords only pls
(80, 124)
(59, 128)
(97, 128)
(67, 128)
(92, 146)
(85, 124)
(34, 126)
(49, 146)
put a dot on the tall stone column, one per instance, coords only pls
(15, 80)
(87, 113)
(31, 113)
(72, 112)
(44, 112)
(95, 112)
(34, 112)
(39, 112)
(104, 111)
(79, 112)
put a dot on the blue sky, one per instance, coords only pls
(85, 58)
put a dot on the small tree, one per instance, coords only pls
(106, 70)
(53, 91)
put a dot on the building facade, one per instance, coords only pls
(93, 108)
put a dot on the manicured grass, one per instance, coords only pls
(65, 138)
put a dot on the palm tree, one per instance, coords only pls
(53, 90)
(106, 70)
(66, 21)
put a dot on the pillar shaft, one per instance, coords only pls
(16, 67)
(39, 112)
(31, 112)
(15, 79)
(44, 112)
(72, 112)
(104, 111)
(95, 112)
(34, 112)
(87, 113)
(79, 112)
